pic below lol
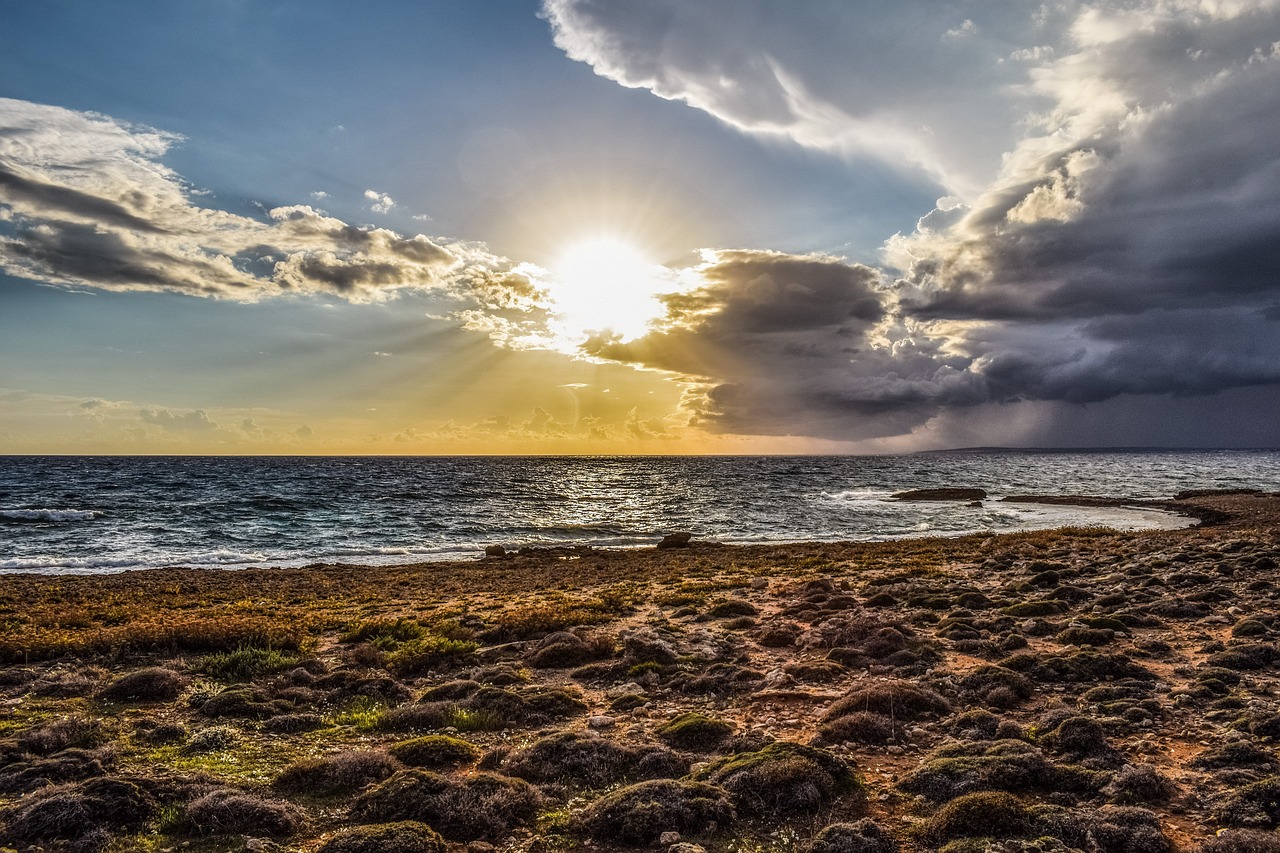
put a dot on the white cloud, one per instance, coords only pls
(964, 30)
(379, 202)
(853, 79)
(86, 201)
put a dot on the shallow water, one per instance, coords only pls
(102, 514)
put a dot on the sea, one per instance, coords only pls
(88, 515)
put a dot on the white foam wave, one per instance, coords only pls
(125, 562)
(49, 514)
(858, 495)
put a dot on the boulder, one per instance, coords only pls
(675, 540)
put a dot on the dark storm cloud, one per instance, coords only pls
(784, 344)
(1182, 211)
(1128, 247)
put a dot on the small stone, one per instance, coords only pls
(495, 551)
(480, 847)
(600, 722)
(686, 847)
(668, 838)
(759, 583)
(1217, 620)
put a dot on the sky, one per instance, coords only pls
(611, 226)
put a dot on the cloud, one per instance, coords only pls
(86, 201)
(903, 81)
(782, 344)
(1121, 244)
(193, 421)
(379, 202)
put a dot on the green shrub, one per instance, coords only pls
(435, 752)
(638, 814)
(341, 773)
(484, 805)
(694, 731)
(384, 634)
(229, 811)
(898, 700)
(245, 663)
(405, 836)
(75, 812)
(865, 836)
(861, 727)
(1002, 765)
(732, 607)
(783, 779)
(985, 814)
(152, 684)
(1034, 609)
(427, 652)
(1253, 805)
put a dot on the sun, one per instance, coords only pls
(607, 284)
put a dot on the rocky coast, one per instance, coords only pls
(1071, 690)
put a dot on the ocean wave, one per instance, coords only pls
(858, 496)
(67, 564)
(48, 515)
(124, 562)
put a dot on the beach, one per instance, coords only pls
(1070, 689)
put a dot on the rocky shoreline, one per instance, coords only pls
(1078, 689)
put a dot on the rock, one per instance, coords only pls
(628, 689)
(686, 847)
(759, 583)
(675, 540)
(775, 678)
(644, 645)
(600, 722)
(668, 838)
(495, 551)
(950, 494)
(262, 845)
(480, 847)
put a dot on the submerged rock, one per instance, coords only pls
(947, 494)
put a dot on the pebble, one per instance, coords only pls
(600, 722)
(668, 838)
(759, 583)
